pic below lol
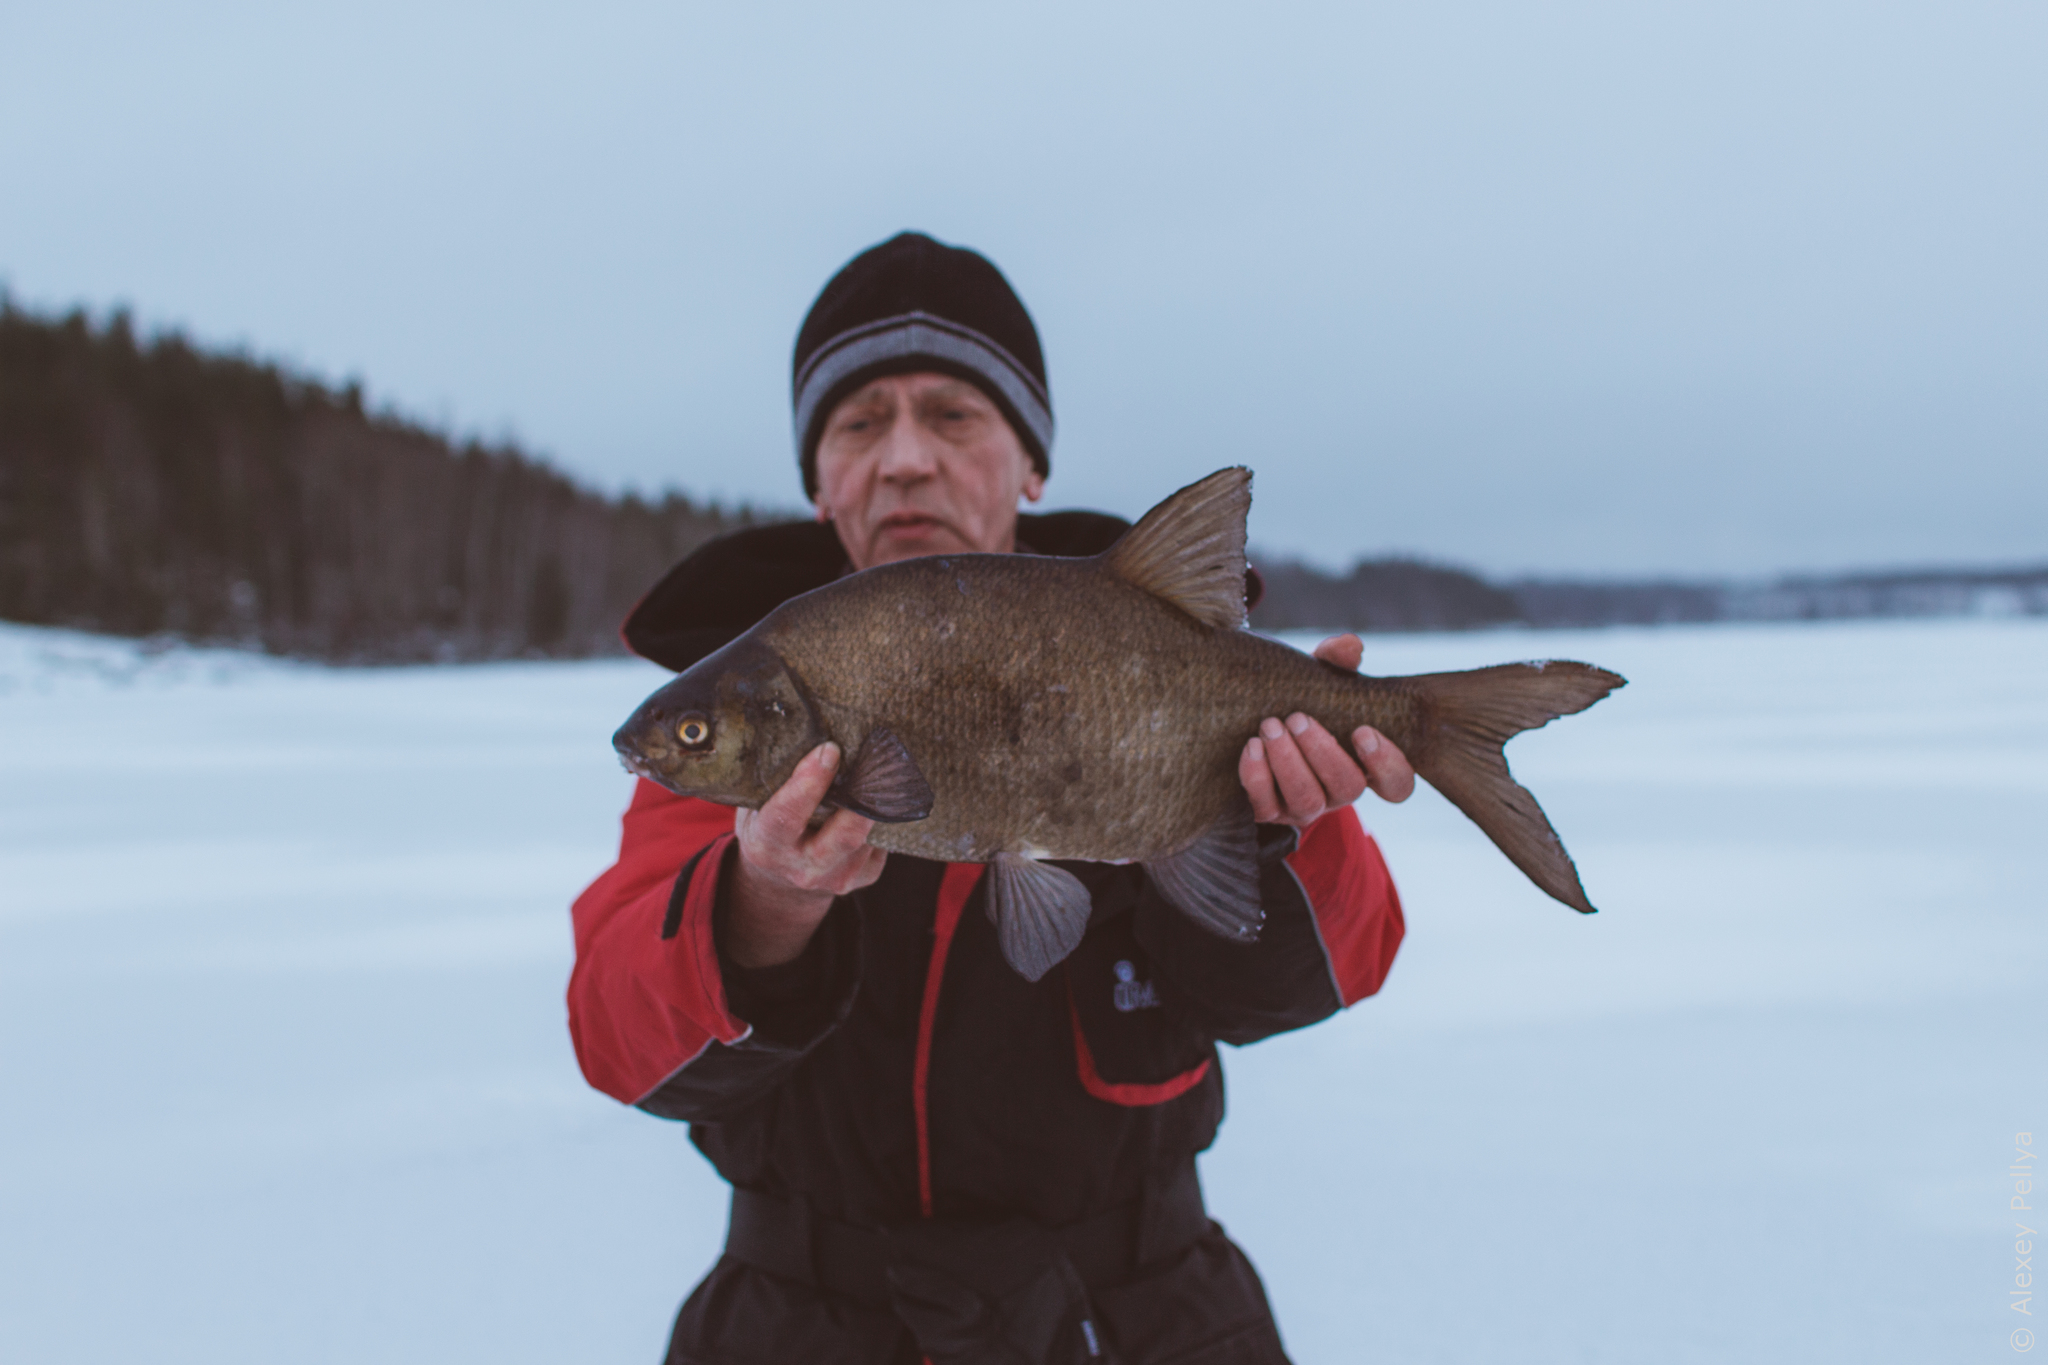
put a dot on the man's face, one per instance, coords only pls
(921, 464)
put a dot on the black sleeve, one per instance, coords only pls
(790, 1008)
(1242, 992)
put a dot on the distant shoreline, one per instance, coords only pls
(1384, 595)
(151, 490)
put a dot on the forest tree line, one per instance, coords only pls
(157, 489)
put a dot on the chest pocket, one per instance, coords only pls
(1132, 1044)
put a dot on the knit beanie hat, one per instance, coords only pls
(916, 304)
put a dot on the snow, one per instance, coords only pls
(285, 1072)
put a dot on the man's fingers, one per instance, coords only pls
(1299, 789)
(869, 871)
(1257, 780)
(1339, 775)
(785, 814)
(843, 835)
(781, 845)
(1342, 651)
(838, 858)
(1387, 769)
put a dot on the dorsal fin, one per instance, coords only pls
(1190, 549)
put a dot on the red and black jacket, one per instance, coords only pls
(900, 1068)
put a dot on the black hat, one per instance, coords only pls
(916, 304)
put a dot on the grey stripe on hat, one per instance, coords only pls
(916, 334)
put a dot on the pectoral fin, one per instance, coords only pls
(1040, 912)
(1215, 880)
(882, 782)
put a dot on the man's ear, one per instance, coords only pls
(823, 514)
(1034, 486)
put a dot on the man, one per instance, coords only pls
(933, 1158)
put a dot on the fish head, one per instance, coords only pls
(729, 729)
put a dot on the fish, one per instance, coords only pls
(1022, 710)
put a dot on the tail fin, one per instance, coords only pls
(1468, 718)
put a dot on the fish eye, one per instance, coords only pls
(693, 731)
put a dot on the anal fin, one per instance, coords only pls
(1215, 880)
(882, 782)
(1040, 912)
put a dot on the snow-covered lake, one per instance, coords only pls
(284, 1073)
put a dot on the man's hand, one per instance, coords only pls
(787, 873)
(1295, 770)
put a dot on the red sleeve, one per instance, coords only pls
(646, 996)
(1358, 912)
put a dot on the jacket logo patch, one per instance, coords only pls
(1131, 993)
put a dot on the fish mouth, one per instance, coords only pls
(629, 745)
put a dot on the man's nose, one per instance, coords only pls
(908, 453)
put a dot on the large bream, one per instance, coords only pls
(1014, 709)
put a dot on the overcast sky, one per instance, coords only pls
(1587, 286)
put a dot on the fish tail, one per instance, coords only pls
(1466, 720)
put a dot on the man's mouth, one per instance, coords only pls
(910, 522)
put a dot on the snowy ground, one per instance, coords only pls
(283, 1072)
